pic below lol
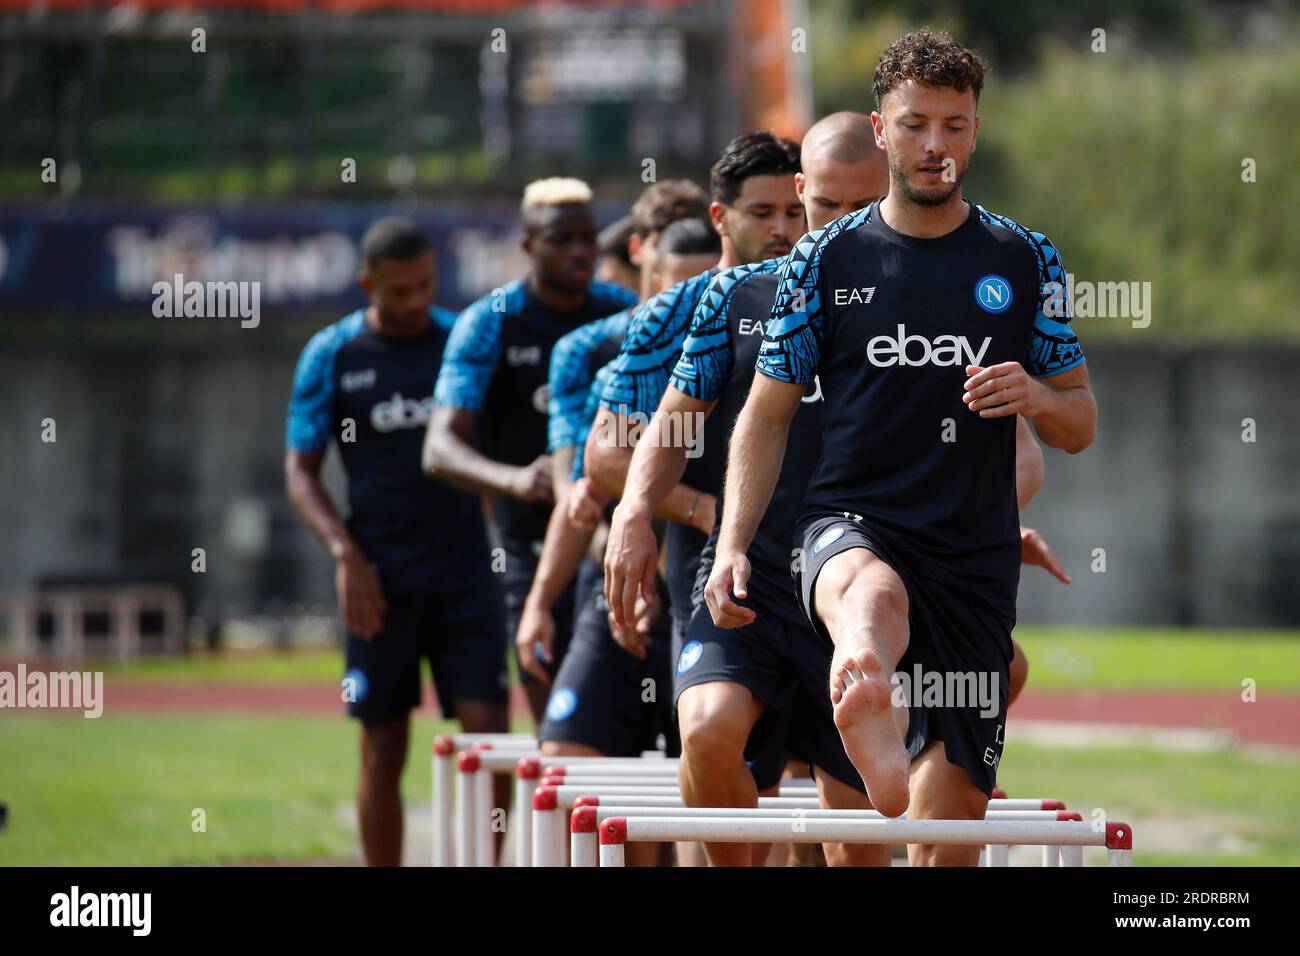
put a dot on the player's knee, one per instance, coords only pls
(878, 592)
(482, 717)
(856, 854)
(711, 736)
(384, 752)
(945, 854)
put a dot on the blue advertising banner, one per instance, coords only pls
(86, 258)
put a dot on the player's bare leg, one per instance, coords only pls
(488, 717)
(838, 796)
(379, 797)
(715, 720)
(943, 791)
(1019, 671)
(863, 604)
(537, 694)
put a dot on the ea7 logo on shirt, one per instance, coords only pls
(356, 381)
(524, 355)
(400, 412)
(854, 296)
(884, 351)
(751, 327)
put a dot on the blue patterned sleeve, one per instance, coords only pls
(639, 375)
(1054, 347)
(470, 359)
(571, 377)
(705, 362)
(792, 346)
(311, 406)
(590, 407)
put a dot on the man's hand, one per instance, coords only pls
(586, 504)
(1006, 389)
(361, 599)
(1034, 550)
(635, 638)
(536, 636)
(533, 482)
(630, 560)
(729, 577)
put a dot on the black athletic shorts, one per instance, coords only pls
(461, 632)
(956, 673)
(604, 697)
(520, 566)
(782, 662)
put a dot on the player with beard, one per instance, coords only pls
(922, 316)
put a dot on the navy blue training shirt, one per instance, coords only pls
(372, 395)
(496, 365)
(888, 323)
(717, 365)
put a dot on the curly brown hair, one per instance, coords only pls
(930, 59)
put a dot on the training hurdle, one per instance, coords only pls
(551, 807)
(583, 829)
(461, 831)
(499, 753)
(616, 832)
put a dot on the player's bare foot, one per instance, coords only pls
(864, 715)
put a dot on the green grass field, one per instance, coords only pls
(122, 789)
(1061, 658)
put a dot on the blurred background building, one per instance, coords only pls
(1154, 142)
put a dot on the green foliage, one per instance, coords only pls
(1132, 164)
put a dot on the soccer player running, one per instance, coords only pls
(493, 381)
(921, 317)
(412, 567)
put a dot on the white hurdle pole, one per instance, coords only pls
(526, 776)
(443, 848)
(613, 841)
(767, 813)
(788, 787)
(467, 767)
(584, 848)
(587, 817)
(617, 831)
(637, 768)
(496, 741)
(547, 849)
(567, 797)
(486, 851)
